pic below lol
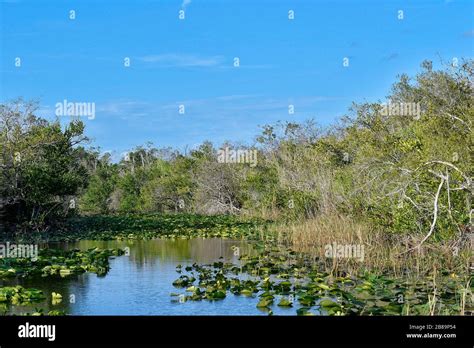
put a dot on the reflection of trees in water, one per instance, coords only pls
(194, 250)
(73, 285)
(149, 252)
(207, 250)
(163, 251)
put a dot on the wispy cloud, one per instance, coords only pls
(182, 60)
(185, 3)
(235, 97)
(126, 108)
(234, 117)
(391, 56)
(469, 33)
(214, 107)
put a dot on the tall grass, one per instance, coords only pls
(383, 252)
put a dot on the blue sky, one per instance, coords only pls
(190, 62)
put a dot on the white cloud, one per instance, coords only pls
(182, 60)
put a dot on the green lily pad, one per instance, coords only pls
(328, 303)
(265, 302)
(284, 302)
(304, 311)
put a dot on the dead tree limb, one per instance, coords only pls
(435, 217)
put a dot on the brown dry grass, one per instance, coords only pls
(383, 252)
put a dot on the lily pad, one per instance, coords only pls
(284, 302)
(265, 302)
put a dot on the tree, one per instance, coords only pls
(41, 168)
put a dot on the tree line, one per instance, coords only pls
(404, 172)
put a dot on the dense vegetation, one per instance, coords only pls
(387, 169)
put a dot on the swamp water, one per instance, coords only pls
(140, 283)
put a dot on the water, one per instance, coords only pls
(141, 283)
